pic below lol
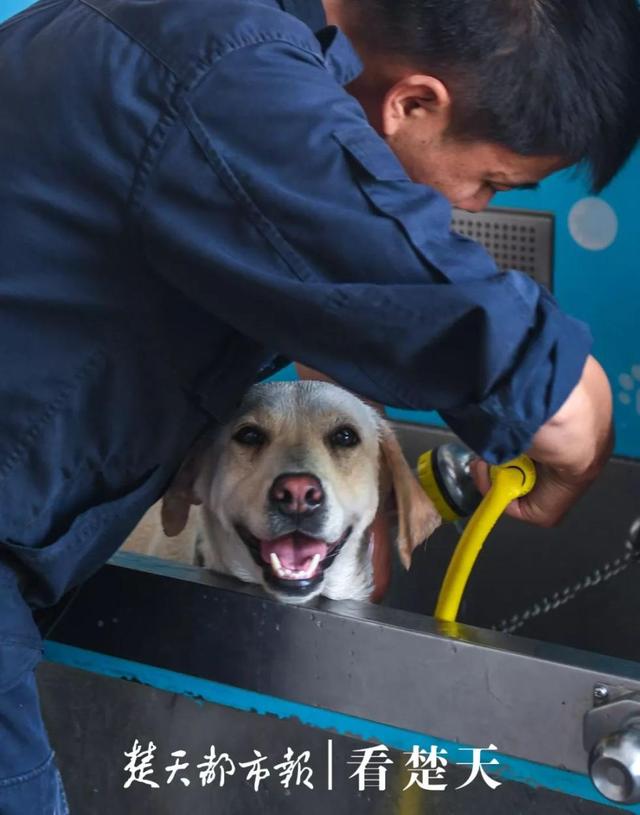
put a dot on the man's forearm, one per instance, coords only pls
(579, 438)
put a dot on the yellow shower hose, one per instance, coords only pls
(509, 481)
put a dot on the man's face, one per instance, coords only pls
(413, 114)
(468, 174)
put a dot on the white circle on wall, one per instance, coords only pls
(593, 224)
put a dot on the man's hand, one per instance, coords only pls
(570, 450)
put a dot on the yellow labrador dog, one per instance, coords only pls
(286, 493)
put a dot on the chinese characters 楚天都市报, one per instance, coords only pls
(425, 769)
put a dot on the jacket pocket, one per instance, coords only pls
(423, 214)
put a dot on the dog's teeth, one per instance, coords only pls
(293, 574)
(275, 563)
(277, 567)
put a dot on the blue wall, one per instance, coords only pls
(9, 7)
(600, 286)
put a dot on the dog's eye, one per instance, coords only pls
(344, 437)
(250, 436)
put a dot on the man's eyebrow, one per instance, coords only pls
(514, 185)
(525, 185)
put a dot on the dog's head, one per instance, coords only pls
(290, 487)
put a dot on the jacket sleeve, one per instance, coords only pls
(272, 203)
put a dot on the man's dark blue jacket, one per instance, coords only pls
(186, 189)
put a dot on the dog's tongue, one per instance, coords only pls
(294, 551)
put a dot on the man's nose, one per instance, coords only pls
(296, 494)
(475, 203)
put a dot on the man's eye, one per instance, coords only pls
(491, 185)
(344, 437)
(250, 436)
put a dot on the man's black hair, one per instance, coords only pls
(541, 77)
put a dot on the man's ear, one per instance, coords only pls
(417, 516)
(181, 495)
(416, 98)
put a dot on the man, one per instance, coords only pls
(187, 190)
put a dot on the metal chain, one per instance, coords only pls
(607, 572)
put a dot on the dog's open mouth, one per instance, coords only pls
(293, 563)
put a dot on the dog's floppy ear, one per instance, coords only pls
(417, 516)
(181, 495)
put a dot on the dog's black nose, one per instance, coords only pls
(296, 494)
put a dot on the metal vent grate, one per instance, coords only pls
(517, 239)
